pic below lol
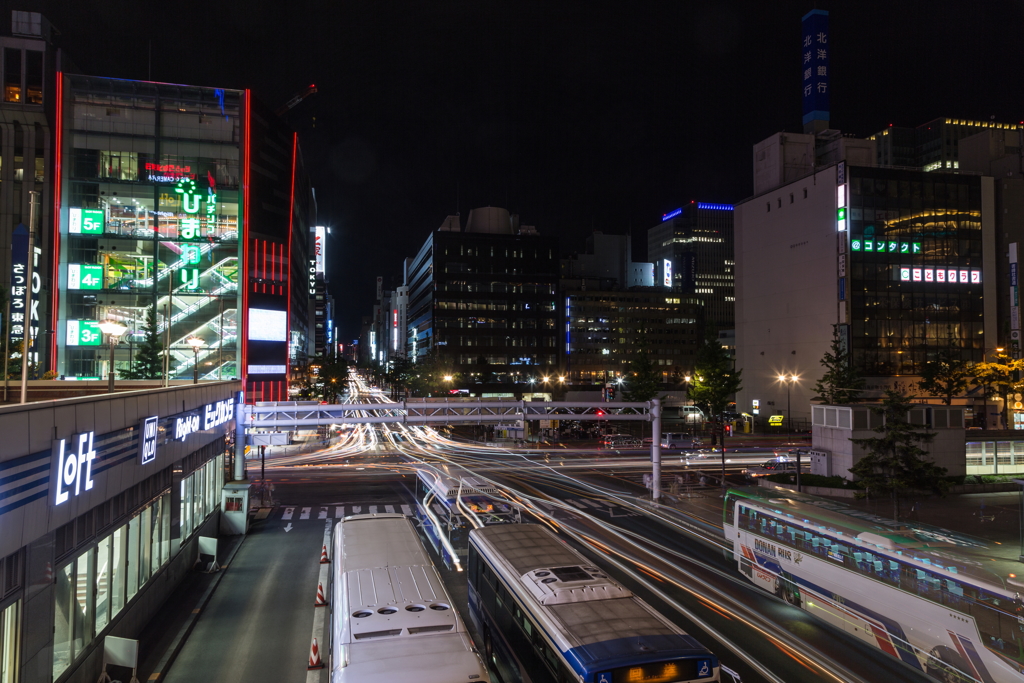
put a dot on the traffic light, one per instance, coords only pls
(600, 413)
(609, 393)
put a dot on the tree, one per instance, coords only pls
(947, 376)
(149, 360)
(642, 380)
(840, 384)
(1001, 378)
(895, 464)
(714, 378)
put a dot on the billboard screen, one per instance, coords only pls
(268, 325)
(667, 273)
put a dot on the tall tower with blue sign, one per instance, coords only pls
(815, 71)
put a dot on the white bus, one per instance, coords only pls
(936, 599)
(547, 614)
(391, 619)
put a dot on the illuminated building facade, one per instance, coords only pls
(902, 261)
(692, 250)
(486, 292)
(160, 209)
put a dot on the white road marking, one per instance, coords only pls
(578, 504)
(339, 511)
(287, 527)
(305, 513)
(357, 509)
(373, 509)
(288, 512)
(390, 508)
(406, 510)
(323, 514)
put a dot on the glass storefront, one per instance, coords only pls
(200, 494)
(995, 457)
(93, 587)
(150, 225)
(9, 632)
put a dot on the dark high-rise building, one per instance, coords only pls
(484, 298)
(692, 251)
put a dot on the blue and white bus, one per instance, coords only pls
(547, 614)
(445, 500)
(938, 600)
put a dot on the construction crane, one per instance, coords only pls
(296, 100)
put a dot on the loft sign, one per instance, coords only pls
(212, 415)
(71, 469)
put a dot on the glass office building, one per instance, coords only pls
(150, 220)
(915, 281)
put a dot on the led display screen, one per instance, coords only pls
(268, 325)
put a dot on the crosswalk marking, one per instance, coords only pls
(592, 504)
(357, 509)
(305, 513)
(578, 504)
(390, 508)
(373, 509)
(339, 512)
(406, 510)
(323, 514)
(288, 512)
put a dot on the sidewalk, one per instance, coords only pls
(167, 631)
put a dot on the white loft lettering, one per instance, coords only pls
(74, 469)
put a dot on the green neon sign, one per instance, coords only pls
(85, 276)
(85, 221)
(84, 333)
(190, 200)
(855, 245)
(189, 278)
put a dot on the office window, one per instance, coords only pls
(12, 75)
(34, 76)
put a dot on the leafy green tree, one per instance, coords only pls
(642, 381)
(1001, 377)
(322, 379)
(895, 464)
(947, 377)
(149, 358)
(715, 380)
(840, 384)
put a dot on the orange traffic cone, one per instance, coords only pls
(323, 556)
(314, 658)
(320, 601)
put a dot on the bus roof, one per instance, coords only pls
(604, 624)
(932, 547)
(444, 484)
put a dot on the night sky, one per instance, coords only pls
(579, 116)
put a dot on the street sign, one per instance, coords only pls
(85, 276)
(84, 333)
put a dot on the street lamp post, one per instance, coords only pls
(196, 343)
(788, 381)
(113, 329)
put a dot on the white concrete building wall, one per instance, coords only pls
(786, 290)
